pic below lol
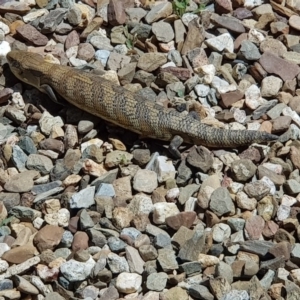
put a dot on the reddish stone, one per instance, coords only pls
(223, 6)
(48, 237)
(32, 35)
(254, 227)
(80, 241)
(116, 12)
(185, 218)
(72, 39)
(276, 65)
(231, 97)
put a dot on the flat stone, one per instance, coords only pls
(276, 65)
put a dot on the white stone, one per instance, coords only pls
(4, 48)
(187, 18)
(63, 217)
(219, 83)
(76, 62)
(4, 28)
(207, 260)
(128, 283)
(202, 90)
(255, 36)
(3, 265)
(164, 169)
(253, 97)
(162, 210)
(270, 184)
(287, 111)
(270, 86)
(287, 200)
(252, 3)
(74, 270)
(208, 72)
(34, 15)
(172, 194)
(47, 121)
(283, 212)
(3, 248)
(141, 204)
(72, 52)
(221, 232)
(253, 126)
(239, 115)
(221, 42)
(38, 222)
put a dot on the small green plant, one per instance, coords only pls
(180, 6)
(200, 8)
(130, 39)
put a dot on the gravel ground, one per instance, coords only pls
(87, 211)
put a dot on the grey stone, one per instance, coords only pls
(19, 158)
(27, 145)
(85, 220)
(116, 245)
(83, 199)
(156, 281)
(201, 292)
(191, 249)
(40, 163)
(221, 202)
(167, 260)
(162, 241)
(42, 188)
(249, 50)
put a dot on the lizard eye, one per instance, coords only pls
(15, 64)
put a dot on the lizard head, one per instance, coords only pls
(26, 66)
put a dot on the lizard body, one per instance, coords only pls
(117, 105)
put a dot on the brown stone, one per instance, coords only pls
(237, 268)
(73, 224)
(186, 219)
(116, 12)
(229, 23)
(72, 39)
(194, 38)
(254, 227)
(231, 97)
(281, 249)
(32, 35)
(80, 241)
(5, 94)
(295, 156)
(223, 6)
(282, 235)
(276, 65)
(19, 254)
(281, 124)
(14, 7)
(48, 237)
(94, 25)
(181, 73)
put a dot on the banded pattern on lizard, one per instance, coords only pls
(117, 105)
